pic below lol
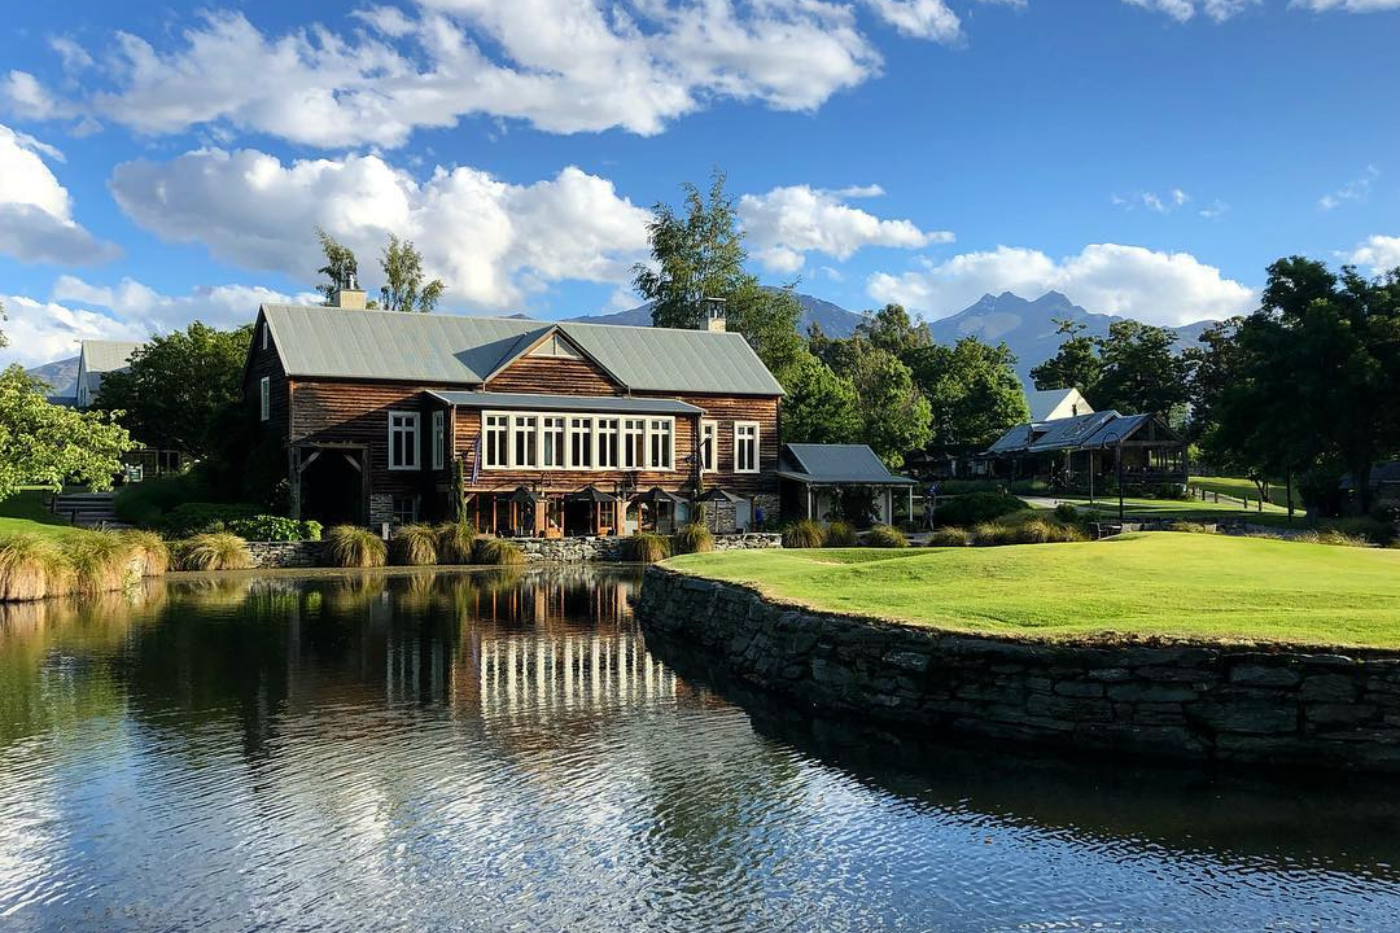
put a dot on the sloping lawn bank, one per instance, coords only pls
(27, 511)
(1195, 587)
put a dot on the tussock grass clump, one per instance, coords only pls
(841, 534)
(886, 536)
(1040, 531)
(454, 542)
(1334, 538)
(32, 567)
(992, 534)
(215, 551)
(155, 553)
(1191, 528)
(101, 561)
(646, 548)
(694, 539)
(351, 546)
(414, 546)
(804, 534)
(950, 536)
(497, 552)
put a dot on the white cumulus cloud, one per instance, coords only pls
(1380, 253)
(785, 224)
(561, 65)
(490, 241)
(36, 211)
(1183, 10)
(1151, 286)
(1349, 6)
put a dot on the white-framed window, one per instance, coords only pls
(403, 440)
(709, 446)
(265, 398)
(553, 450)
(524, 433)
(496, 435)
(264, 335)
(660, 433)
(581, 443)
(746, 447)
(607, 431)
(634, 443)
(439, 440)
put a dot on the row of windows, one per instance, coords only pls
(571, 442)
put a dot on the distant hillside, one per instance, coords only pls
(1028, 327)
(62, 376)
(835, 320)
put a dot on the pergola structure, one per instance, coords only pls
(1089, 449)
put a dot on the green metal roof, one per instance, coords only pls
(589, 403)
(844, 464)
(338, 343)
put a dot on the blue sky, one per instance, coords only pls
(1146, 157)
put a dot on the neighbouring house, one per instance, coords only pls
(1054, 404)
(1385, 485)
(536, 428)
(96, 359)
(1088, 450)
(815, 476)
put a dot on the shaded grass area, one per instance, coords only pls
(1187, 510)
(28, 511)
(1240, 487)
(1180, 586)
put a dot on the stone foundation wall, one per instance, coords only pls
(1206, 703)
(286, 553)
(570, 550)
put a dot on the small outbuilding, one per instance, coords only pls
(1088, 450)
(814, 478)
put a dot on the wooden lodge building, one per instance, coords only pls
(550, 429)
(1085, 451)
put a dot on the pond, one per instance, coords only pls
(488, 751)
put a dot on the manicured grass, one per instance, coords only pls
(1239, 487)
(1183, 586)
(28, 511)
(1186, 510)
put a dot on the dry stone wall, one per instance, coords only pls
(1204, 703)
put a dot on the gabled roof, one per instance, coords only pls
(1086, 432)
(338, 343)
(1047, 404)
(591, 403)
(845, 464)
(99, 357)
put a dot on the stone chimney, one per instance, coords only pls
(350, 296)
(714, 315)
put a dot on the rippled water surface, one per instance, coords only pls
(485, 752)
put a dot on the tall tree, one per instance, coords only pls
(897, 417)
(404, 288)
(698, 253)
(1075, 366)
(891, 329)
(820, 407)
(48, 445)
(1318, 374)
(1141, 370)
(176, 385)
(972, 389)
(341, 268)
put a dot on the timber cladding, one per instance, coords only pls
(556, 376)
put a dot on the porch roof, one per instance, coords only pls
(836, 465)
(589, 403)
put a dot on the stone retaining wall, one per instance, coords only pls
(297, 554)
(286, 553)
(1207, 703)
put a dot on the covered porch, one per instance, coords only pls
(829, 482)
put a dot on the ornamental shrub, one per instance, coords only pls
(646, 548)
(497, 552)
(694, 538)
(950, 536)
(806, 533)
(353, 546)
(414, 546)
(887, 537)
(454, 542)
(32, 567)
(193, 518)
(215, 551)
(976, 507)
(274, 528)
(841, 534)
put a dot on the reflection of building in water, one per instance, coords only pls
(537, 643)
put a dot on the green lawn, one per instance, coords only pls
(1240, 487)
(1193, 587)
(28, 511)
(1186, 510)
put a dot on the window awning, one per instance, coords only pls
(609, 404)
